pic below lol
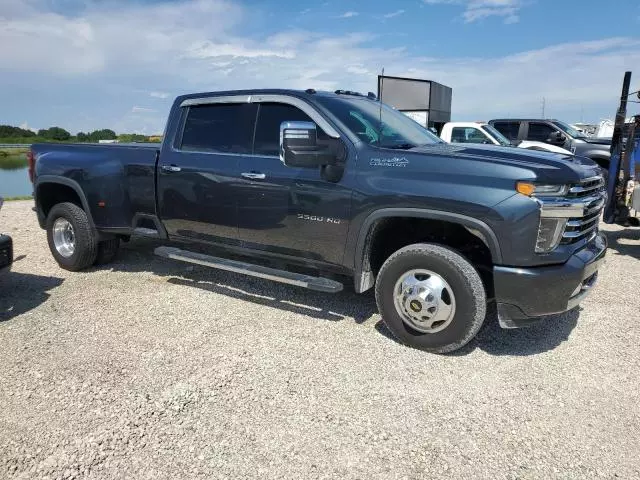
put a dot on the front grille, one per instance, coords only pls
(592, 191)
(588, 187)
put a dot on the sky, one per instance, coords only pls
(89, 64)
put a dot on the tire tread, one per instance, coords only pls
(86, 242)
(469, 274)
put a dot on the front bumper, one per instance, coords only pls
(6, 252)
(523, 295)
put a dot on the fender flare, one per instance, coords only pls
(364, 279)
(48, 179)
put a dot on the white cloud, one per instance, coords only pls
(137, 109)
(393, 14)
(123, 51)
(348, 15)
(25, 126)
(480, 9)
(161, 95)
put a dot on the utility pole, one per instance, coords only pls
(543, 105)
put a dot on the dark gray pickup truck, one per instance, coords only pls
(558, 133)
(316, 189)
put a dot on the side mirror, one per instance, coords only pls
(299, 146)
(558, 137)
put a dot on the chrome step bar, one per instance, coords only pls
(319, 284)
(146, 232)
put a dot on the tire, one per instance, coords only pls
(107, 251)
(85, 245)
(460, 279)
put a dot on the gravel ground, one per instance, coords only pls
(154, 369)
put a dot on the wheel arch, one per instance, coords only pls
(364, 277)
(42, 204)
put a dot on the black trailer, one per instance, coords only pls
(426, 101)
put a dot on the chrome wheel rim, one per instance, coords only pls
(424, 300)
(64, 238)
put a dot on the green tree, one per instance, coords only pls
(82, 137)
(104, 134)
(131, 138)
(54, 133)
(8, 131)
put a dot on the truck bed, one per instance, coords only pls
(119, 179)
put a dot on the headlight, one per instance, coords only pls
(549, 233)
(541, 189)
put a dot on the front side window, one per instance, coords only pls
(225, 128)
(270, 116)
(468, 135)
(572, 132)
(540, 132)
(378, 125)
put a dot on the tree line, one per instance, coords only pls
(11, 134)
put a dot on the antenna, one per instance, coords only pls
(380, 110)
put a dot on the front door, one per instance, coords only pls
(198, 179)
(289, 211)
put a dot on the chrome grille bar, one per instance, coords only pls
(591, 194)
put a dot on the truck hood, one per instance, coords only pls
(597, 140)
(545, 164)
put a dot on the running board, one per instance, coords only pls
(146, 232)
(318, 284)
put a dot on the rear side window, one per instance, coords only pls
(270, 116)
(540, 132)
(225, 128)
(508, 129)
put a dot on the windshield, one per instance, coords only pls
(572, 132)
(502, 140)
(362, 117)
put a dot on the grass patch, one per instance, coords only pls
(13, 159)
(19, 197)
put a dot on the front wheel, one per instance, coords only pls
(71, 238)
(431, 298)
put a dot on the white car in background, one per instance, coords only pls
(483, 133)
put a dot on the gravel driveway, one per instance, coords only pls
(155, 369)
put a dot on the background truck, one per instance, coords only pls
(555, 132)
(318, 189)
(485, 134)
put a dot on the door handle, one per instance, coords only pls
(254, 175)
(171, 168)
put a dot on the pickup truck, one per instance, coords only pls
(556, 132)
(485, 134)
(318, 189)
(6, 249)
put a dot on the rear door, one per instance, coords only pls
(289, 211)
(198, 177)
(508, 128)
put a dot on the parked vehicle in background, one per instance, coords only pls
(6, 249)
(315, 188)
(483, 133)
(555, 132)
